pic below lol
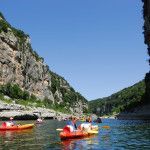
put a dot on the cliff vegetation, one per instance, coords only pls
(121, 101)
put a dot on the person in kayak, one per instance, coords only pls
(99, 120)
(71, 124)
(86, 125)
(89, 119)
(39, 120)
(10, 122)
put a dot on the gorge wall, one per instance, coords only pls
(146, 27)
(21, 65)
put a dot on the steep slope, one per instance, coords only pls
(23, 71)
(122, 101)
(146, 27)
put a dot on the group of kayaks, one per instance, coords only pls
(64, 134)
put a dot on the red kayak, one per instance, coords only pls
(68, 134)
(74, 134)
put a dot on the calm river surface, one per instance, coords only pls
(123, 134)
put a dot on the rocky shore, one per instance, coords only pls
(20, 112)
(139, 113)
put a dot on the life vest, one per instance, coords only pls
(68, 128)
(85, 126)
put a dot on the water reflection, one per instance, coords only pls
(79, 143)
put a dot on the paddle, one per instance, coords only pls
(59, 129)
(92, 132)
(106, 127)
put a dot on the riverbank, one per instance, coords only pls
(139, 113)
(20, 112)
(106, 117)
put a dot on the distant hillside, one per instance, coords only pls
(25, 77)
(121, 101)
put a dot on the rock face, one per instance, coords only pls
(20, 65)
(146, 16)
(142, 113)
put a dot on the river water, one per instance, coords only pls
(123, 134)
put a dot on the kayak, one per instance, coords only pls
(76, 134)
(95, 127)
(90, 132)
(17, 127)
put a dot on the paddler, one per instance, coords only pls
(71, 124)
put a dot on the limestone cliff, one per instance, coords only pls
(21, 65)
(146, 16)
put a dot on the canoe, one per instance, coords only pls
(17, 127)
(77, 134)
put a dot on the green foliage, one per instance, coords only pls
(33, 97)
(15, 92)
(1, 15)
(124, 100)
(4, 26)
(4, 99)
(47, 103)
(55, 84)
(12, 91)
(85, 110)
(19, 33)
(26, 95)
(37, 57)
(61, 108)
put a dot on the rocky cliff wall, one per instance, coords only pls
(146, 16)
(21, 65)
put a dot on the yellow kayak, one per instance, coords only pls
(92, 132)
(16, 127)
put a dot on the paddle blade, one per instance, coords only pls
(92, 132)
(106, 127)
(59, 129)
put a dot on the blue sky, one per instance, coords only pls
(96, 45)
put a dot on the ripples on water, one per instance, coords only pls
(122, 135)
